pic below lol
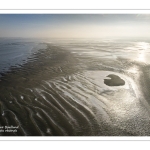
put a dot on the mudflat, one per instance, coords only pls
(70, 92)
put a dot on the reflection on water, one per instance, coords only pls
(144, 47)
(141, 56)
(143, 51)
(133, 70)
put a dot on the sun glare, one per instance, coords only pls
(143, 48)
(133, 70)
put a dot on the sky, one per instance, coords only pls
(74, 25)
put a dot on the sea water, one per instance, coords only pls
(15, 52)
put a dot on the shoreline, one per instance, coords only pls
(39, 65)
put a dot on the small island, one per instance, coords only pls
(114, 81)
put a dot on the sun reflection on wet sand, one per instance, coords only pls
(143, 47)
(133, 70)
(127, 110)
(141, 56)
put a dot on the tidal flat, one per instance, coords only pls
(78, 88)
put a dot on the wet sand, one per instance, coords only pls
(58, 93)
(17, 98)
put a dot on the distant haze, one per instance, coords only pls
(74, 25)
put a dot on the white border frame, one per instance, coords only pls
(74, 138)
(74, 11)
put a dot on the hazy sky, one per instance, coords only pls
(74, 25)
